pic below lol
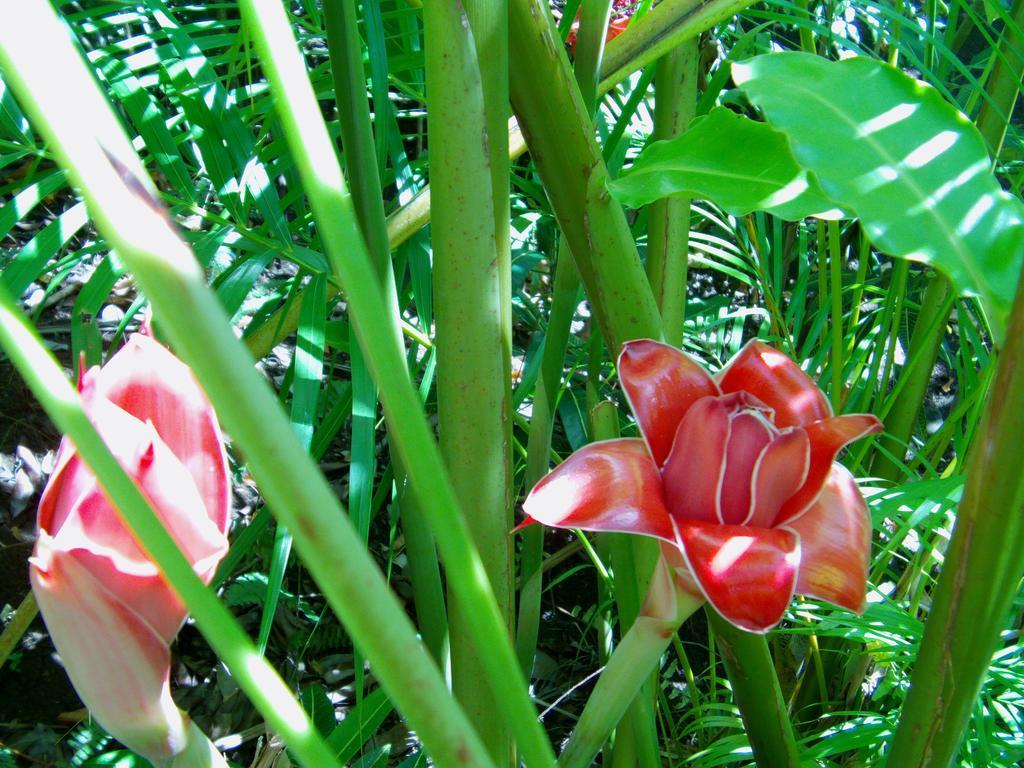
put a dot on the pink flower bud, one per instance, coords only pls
(108, 610)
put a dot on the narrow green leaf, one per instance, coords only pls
(741, 164)
(314, 700)
(32, 259)
(905, 161)
(18, 207)
(359, 725)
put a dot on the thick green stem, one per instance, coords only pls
(560, 135)
(325, 186)
(1004, 82)
(345, 48)
(980, 575)
(755, 687)
(668, 230)
(472, 377)
(665, 27)
(254, 675)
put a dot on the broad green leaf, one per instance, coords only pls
(741, 164)
(905, 161)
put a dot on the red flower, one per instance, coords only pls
(737, 471)
(108, 610)
(621, 14)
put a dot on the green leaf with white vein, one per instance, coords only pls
(741, 164)
(906, 162)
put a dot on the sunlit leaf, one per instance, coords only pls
(739, 163)
(905, 161)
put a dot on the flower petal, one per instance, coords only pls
(94, 531)
(749, 435)
(776, 380)
(119, 665)
(781, 470)
(692, 475)
(827, 438)
(661, 383)
(147, 381)
(835, 539)
(748, 574)
(612, 485)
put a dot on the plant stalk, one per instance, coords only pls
(668, 228)
(472, 374)
(755, 687)
(980, 575)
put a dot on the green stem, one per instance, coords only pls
(668, 229)
(980, 575)
(325, 186)
(630, 666)
(925, 341)
(254, 675)
(560, 135)
(18, 626)
(472, 396)
(665, 27)
(1004, 82)
(835, 258)
(345, 48)
(63, 99)
(755, 687)
(564, 299)
(590, 40)
(806, 32)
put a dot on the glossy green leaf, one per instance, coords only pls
(739, 163)
(906, 162)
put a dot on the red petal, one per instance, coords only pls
(151, 384)
(827, 438)
(692, 475)
(835, 541)
(607, 486)
(748, 574)
(661, 383)
(749, 435)
(777, 381)
(117, 663)
(781, 470)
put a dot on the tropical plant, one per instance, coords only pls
(436, 299)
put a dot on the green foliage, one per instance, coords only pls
(192, 95)
(741, 164)
(905, 161)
